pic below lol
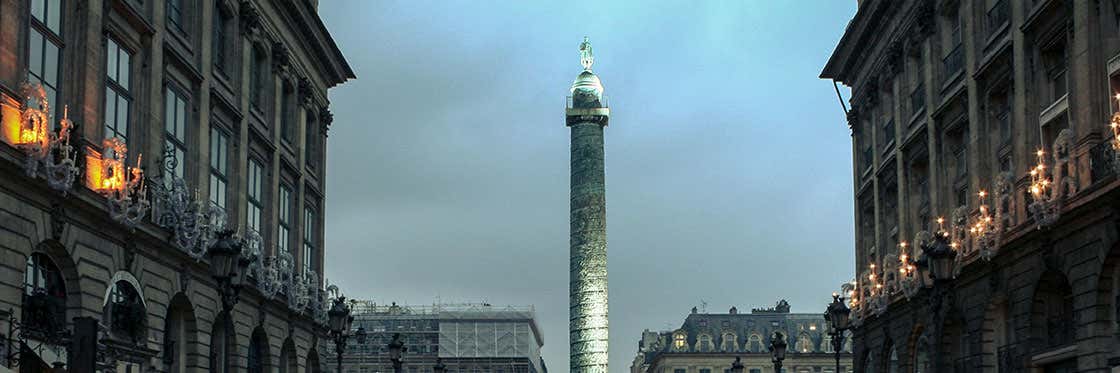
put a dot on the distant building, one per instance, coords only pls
(710, 342)
(473, 338)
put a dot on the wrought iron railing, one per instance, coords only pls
(997, 16)
(966, 365)
(1101, 161)
(953, 63)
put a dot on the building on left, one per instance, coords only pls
(133, 134)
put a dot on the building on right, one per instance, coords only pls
(986, 202)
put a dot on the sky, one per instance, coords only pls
(728, 162)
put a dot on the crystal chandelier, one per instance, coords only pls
(126, 191)
(985, 230)
(49, 153)
(1042, 207)
(909, 283)
(1114, 124)
(180, 210)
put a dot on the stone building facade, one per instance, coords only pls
(465, 338)
(133, 132)
(710, 342)
(986, 121)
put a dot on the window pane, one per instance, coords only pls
(50, 64)
(35, 54)
(122, 116)
(125, 69)
(111, 59)
(53, 15)
(168, 117)
(39, 10)
(110, 112)
(180, 119)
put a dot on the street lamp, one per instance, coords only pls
(778, 349)
(940, 260)
(228, 267)
(737, 366)
(941, 257)
(440, 368)
(396, 346)
(339, 319)
(839, 315)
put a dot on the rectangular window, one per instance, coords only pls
(311, 142)
(255, 194)
(218, 44)
(219, 166)
(175, 14)
(309, 224)
(287, 113)
(887, 134)
(118, 98)
(257, 76)
(45, 50)
(175, 124)
(285, 225)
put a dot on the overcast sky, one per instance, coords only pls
(728, 162)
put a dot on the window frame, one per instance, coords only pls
(120, 90)
(181, 140)
(219, 170)
(285, 197)
(310, 233)
(49, 36)
(255, 200)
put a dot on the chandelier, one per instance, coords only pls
(1114, 124)
(179, 209)
(49, 153)
(985, 230)
(125, 191)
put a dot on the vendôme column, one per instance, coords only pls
(587, 115)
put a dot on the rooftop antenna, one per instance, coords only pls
(703, 306)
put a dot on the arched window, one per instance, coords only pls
(44, 296)
(729, 343)
(258, 353)
(921, 361)
(178, 334)
(869, 363)
(124, 309)
(754, 344)
(288, 362)
(704, 343)
(892, 361)
(313, 361)
(220, 344)
(680, 342)
(804, 343)
(1052, 312)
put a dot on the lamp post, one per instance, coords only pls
(228, 267)
(396, 346)
(440, 368)
(838, 315)
(340, 321)
(940, 261)
(778, 349)
(737, 366)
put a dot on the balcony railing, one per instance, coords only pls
(997, 16)
(953, 63)
(1005, 358)
(918, 99)
(966, 365)
(1101, 160)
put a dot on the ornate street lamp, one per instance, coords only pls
(941, 257)
(778, 349)
(737, 366)
(839, 315)
(440, 368)
(339, 321)
(396, 346)
(227, 267)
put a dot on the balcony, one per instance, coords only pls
(952, 64)
(1101, 161)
